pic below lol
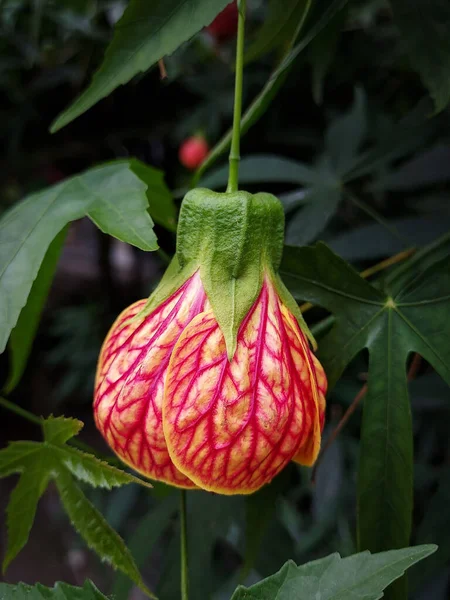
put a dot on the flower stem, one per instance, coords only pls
(20, 411)
(235, 156)
(26, 414)
(184, 548)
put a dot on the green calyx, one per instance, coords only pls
(234, 239)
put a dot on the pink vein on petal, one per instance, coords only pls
(131, 376)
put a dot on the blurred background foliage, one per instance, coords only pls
(349, 147)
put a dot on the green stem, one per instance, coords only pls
(184, 548)
(235, 155)
(20, 411)
(26, 414)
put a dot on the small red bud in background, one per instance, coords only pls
(193, 152)
(225, 24)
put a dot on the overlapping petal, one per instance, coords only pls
(130, 381)
(232, 426)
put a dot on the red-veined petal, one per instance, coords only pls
(232, 426)
(131, 376)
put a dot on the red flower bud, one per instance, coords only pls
(225, 24)
(193, 152)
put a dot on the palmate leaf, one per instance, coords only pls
(323, 50)
(37, 463)
(359, 577)
(342, 141)
(320, 205)
(147, 32)
(425, 169)
(408, 316)
(27, 230)
(424, 25)
(61, 591)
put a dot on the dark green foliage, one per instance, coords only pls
(346, 121)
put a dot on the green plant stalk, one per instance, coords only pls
(20, 411)
(184, 548)
(26, 414)
(235, 156)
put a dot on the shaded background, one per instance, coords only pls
(346, 93)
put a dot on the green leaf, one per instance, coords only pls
(435, 526)
(95, 530)
(14, 457)
(28, 229)
(58, 430)
(322, 203)
(260, 510)
(360, 577)
(426, 169)
(375, 241)
(322, 51)
(142, 542)
(424, 24)
(127, 221)
(262, 168)
(161, 205)
(61, 591)
(278, 28)
(22, 507)
(343, 138)
(209, 519)
(146, 32)
(96, 472)
(345, 135)
(38, 463)
(405, 317)
(422, 260)
(23, 334)
(324, 11)
(396, 141)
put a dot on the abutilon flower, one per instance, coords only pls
(211, 383)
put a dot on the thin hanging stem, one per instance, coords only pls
(184, 548)
(20, 411)
(235, 155)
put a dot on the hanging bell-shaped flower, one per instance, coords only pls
(211, 383)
